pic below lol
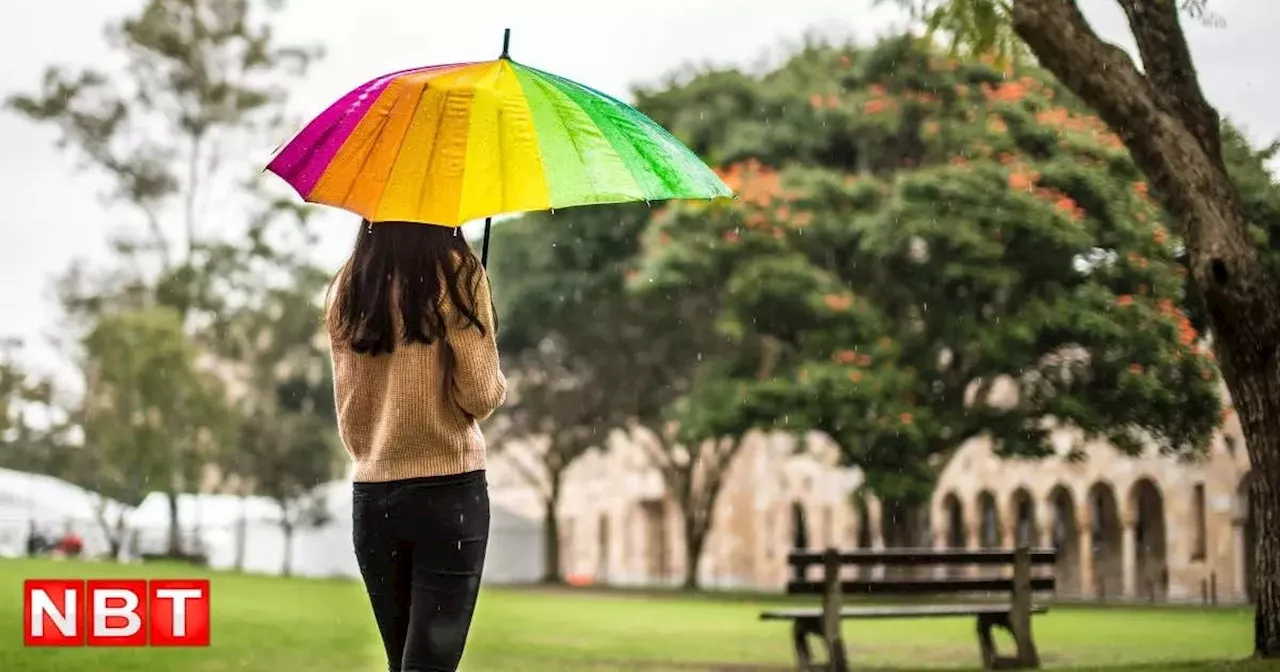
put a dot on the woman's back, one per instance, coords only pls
(415, 360)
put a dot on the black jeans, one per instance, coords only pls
(420, 544)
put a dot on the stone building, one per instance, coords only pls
(1150, 527)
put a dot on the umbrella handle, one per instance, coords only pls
(484, 250)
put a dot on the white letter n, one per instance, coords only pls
(42, 606)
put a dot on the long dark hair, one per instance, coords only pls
(410, 268)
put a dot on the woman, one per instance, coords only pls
(415, 366)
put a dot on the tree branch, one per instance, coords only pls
(1166, 58)
(1190, 183)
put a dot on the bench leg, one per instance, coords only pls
(991, 659)
(836, 659)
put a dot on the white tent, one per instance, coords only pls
(514, 554)
(216, 525)
(220, 525)
(53, 506)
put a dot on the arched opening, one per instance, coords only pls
(956, 535)
(1104, 519)
(988, 521)
(1150, 562)
(602, 560)
(799, 528)
(954, 516)
(1066, 539)
(1024, 512)
(1247, 535)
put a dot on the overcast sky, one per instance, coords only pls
(53, 214)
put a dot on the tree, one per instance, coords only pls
(152, 418)
(558, 282)
(287, 443)
(1175, 137)
(19, 392)
(572, 331)
(946, 252)
(205, 80)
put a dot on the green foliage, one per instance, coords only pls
(205, 80)
(152, 417)
(950, 252)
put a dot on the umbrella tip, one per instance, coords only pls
(506, 43)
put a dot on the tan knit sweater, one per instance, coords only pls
(397, 417)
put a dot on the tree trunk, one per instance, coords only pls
(1174, 136)
(175, 529)
(1256, 393)
(694, 542)
(551, 540)
(286, 568)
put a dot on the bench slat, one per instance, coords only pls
(921, 586)
(923, 556)
(910, 611)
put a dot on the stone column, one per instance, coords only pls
(940, 537)
(1129, 558)
(1085, 544)
(973, 543)
(1239, 571)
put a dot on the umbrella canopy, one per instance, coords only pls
(449, 144)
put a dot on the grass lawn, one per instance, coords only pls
(264, 624)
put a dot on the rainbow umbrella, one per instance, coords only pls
(449, 144)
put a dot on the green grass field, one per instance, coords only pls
(263, 624)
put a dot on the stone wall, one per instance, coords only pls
(1149, 527)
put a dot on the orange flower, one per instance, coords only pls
(845, 60)
(664, 238)
(782, 213)
(1159, 234)
(962, 90)
(877, 90)
(802, 219)
(1021, 181)
(1135, 369)
(778, 233)
(864, 359)
(755, 183)
(930, 128)
(855, 375)
(1008, 92)
(1206, 374)
(839, 302)
(875, 106)
(1140, 188)
(905, 418)
(846, 356)
(1068, 207)
(730, 236)
(833, 101)
(1124, 300)
(816, 101)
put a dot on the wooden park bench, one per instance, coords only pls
(1016, 581)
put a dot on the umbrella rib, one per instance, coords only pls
(435, 143)
(364, 162)
(400, 146)
(574, 141)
